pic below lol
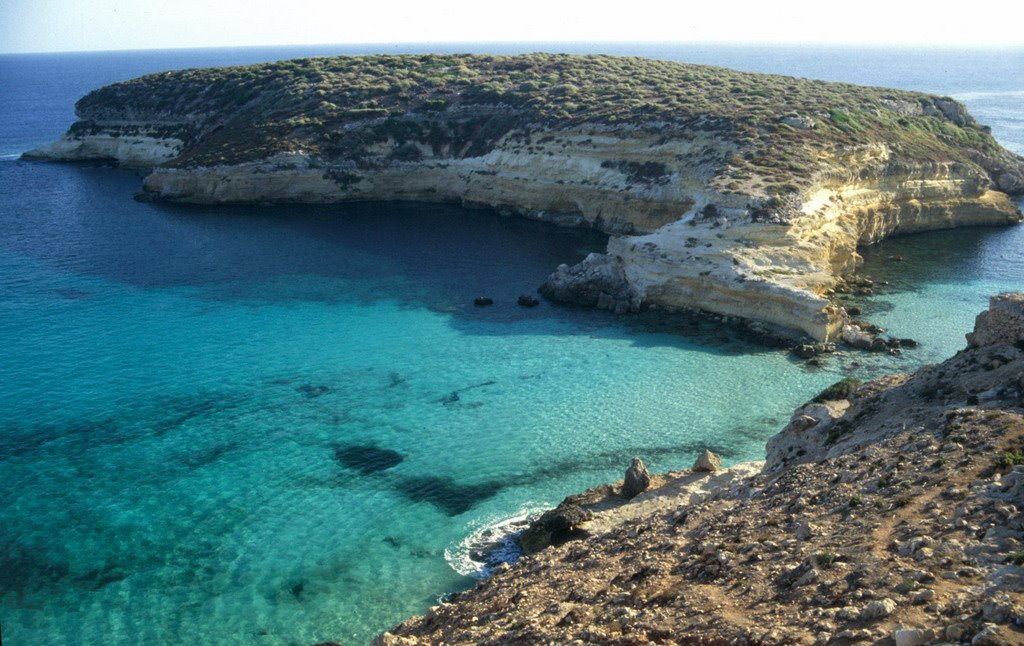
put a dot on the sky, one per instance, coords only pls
(84, 25)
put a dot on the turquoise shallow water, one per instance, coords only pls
(277, 426)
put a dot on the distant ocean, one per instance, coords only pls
(287, 425)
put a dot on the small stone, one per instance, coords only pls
(803, 532)
(911, 636)
(924, 596)
(955, 632)
(878, 608)
(637, 479)
(855, 635)
(707, 461)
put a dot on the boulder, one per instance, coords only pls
(878, 345)
(707, 461)
(528, 301)
(805, 351)
(856, 337)
(480, 301)
(988, 636)
(637, 479)
(554, 527)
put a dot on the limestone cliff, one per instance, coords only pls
(886, 513)
(739, 194)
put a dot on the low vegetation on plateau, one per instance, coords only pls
(461, 105)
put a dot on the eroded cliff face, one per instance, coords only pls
(702, 217)
(578, 177)
(112, 144)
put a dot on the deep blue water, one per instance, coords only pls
(278, 425)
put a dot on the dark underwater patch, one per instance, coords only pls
(395, 379)
(25, 569)
(312, 392)
(180, 411)
(16, 441)
(453, 396)
(201, 458)
(446, 494)
(102, 577)
(72, 294)
(367, 459)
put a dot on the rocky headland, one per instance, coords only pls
(888, 512)
(744, 195)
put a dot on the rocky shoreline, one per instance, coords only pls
(885, 513)
(742, 195)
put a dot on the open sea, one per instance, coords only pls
(287, 425)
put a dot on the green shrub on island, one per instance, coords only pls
(842, 389)
(461, 105)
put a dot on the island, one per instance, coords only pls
(743, 195)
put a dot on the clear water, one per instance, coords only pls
(269, 426)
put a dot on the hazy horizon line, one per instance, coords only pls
(528, 43)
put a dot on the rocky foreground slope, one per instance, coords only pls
(885, 513)
(740, 194)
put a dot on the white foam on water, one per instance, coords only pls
(491, 543)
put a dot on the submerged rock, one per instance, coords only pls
(637, 479)
(481, 301)
(367, 459)
(527, 301)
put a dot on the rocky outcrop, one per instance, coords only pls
(726, 192)
(637, 479)
(598, 281)
(886, 513)
(1003, 322)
